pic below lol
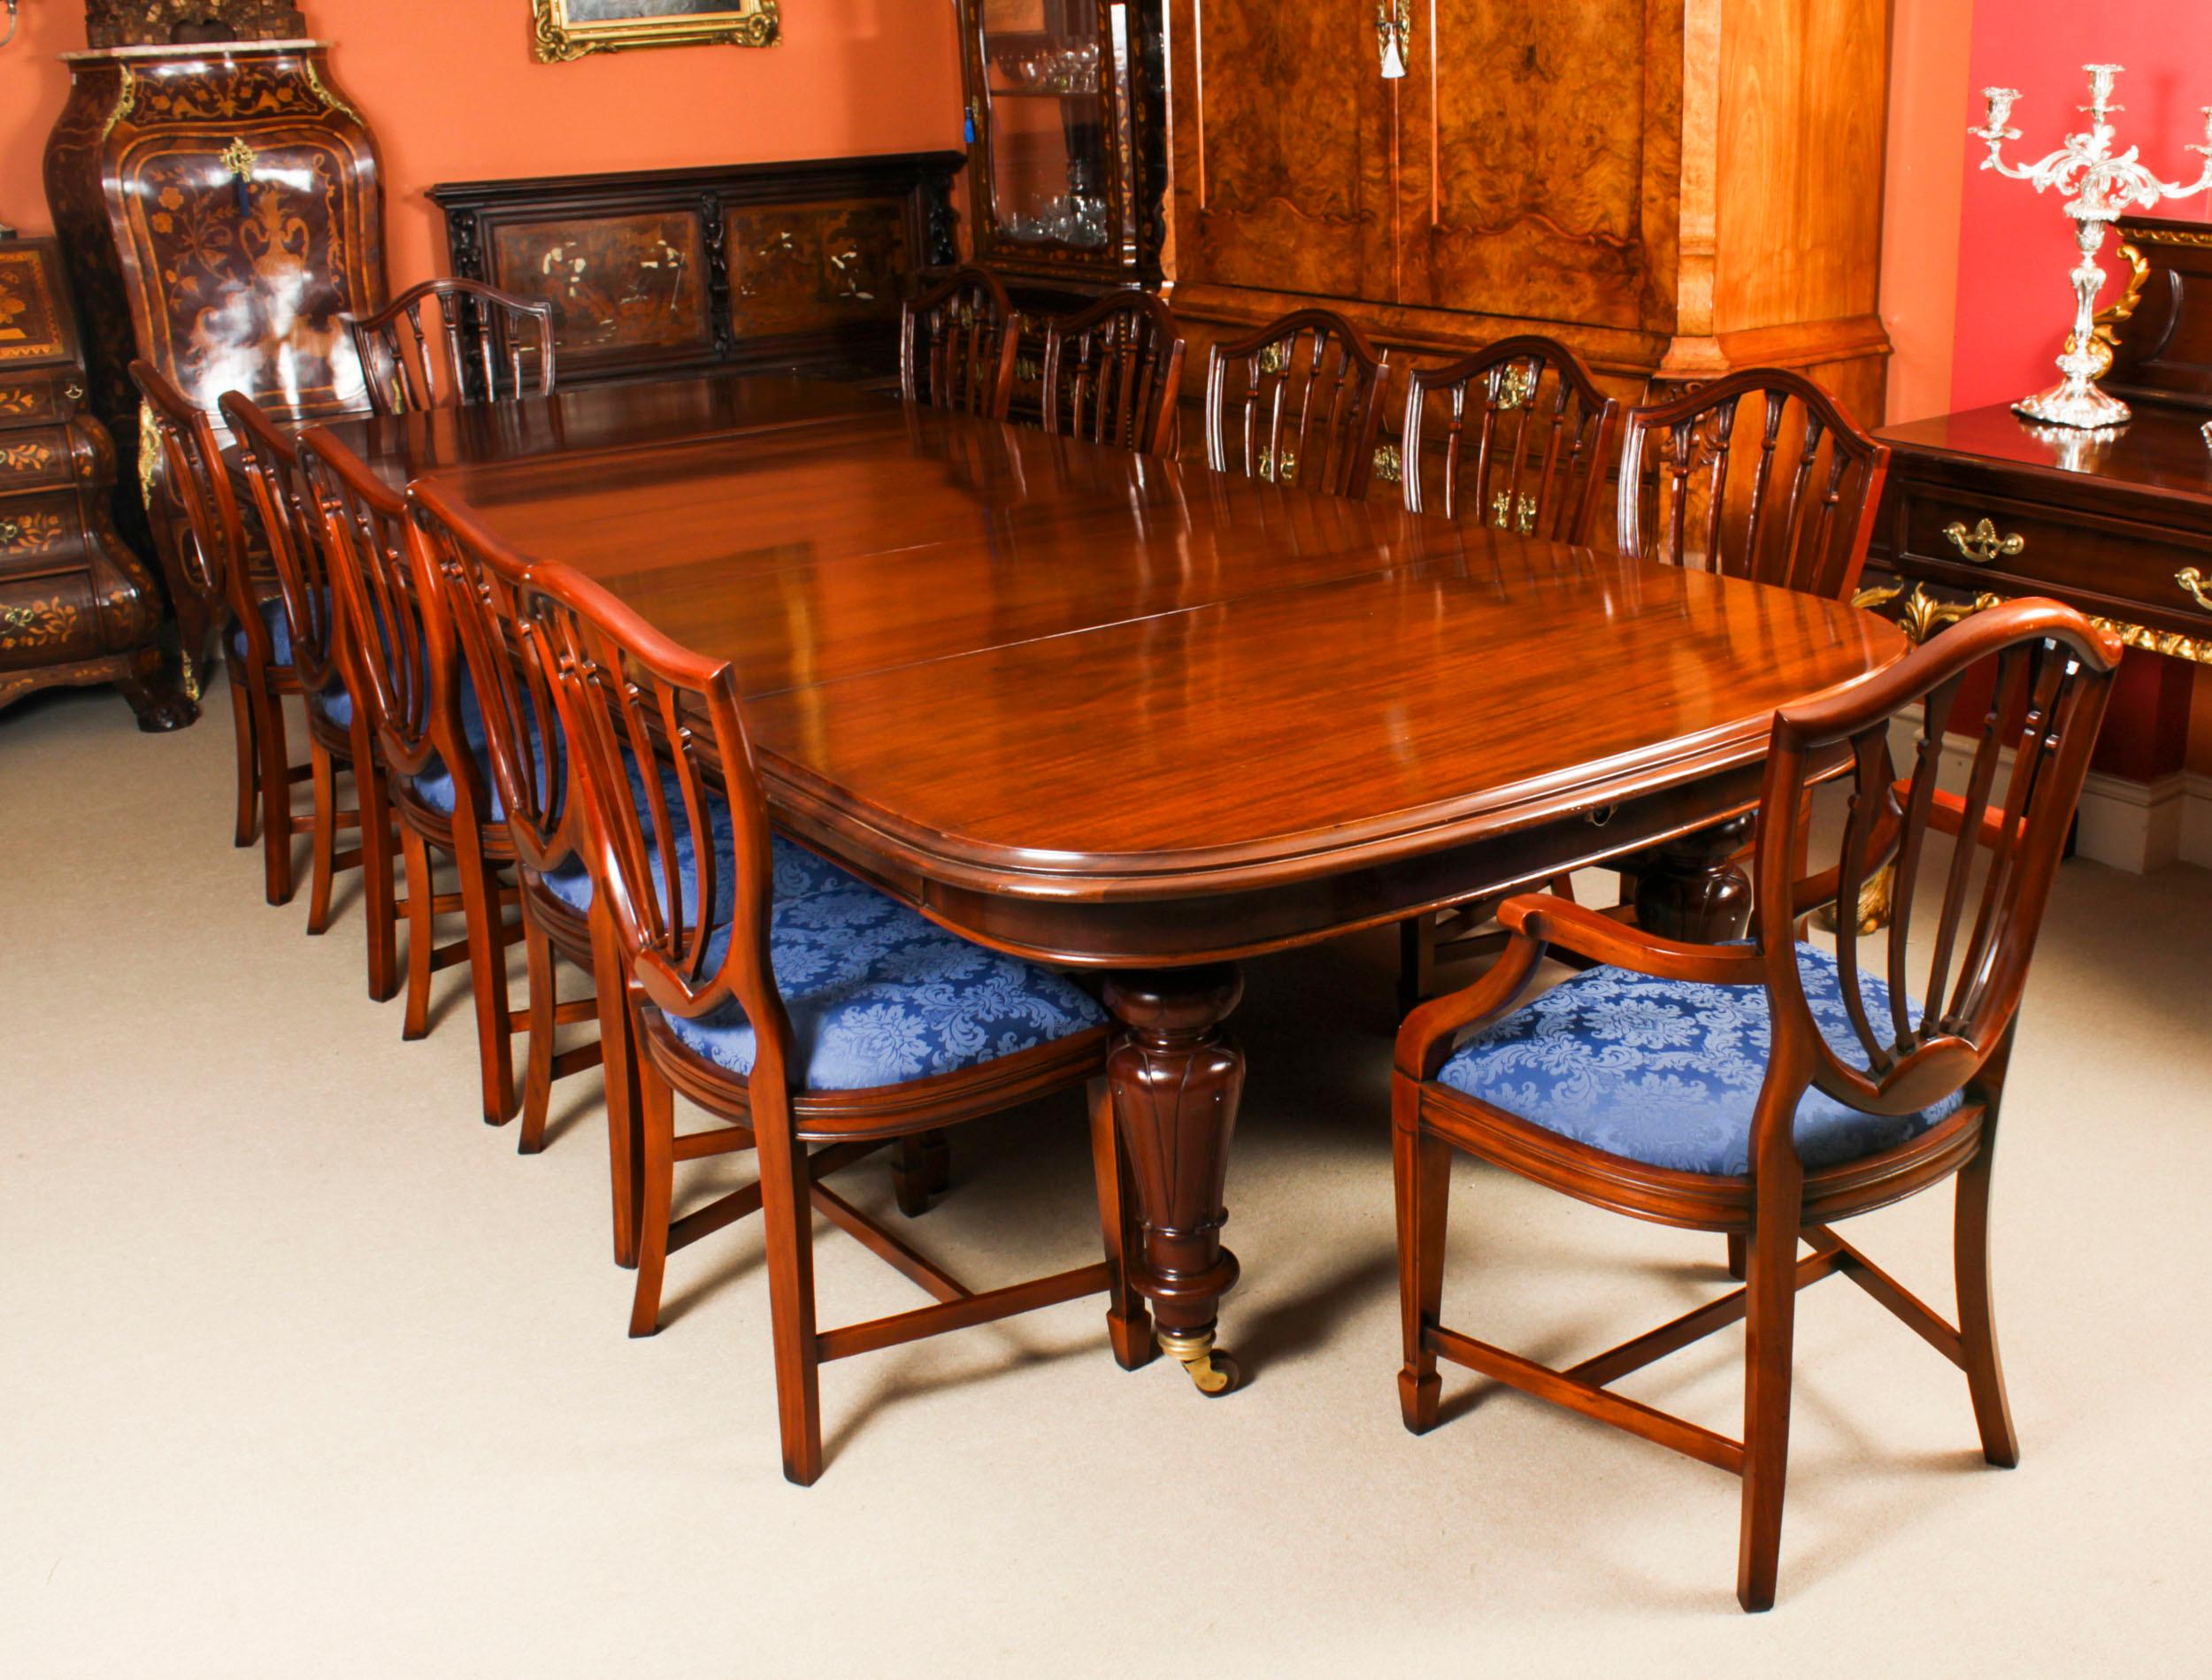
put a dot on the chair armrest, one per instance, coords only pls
(1426, 1036)
(1602, 938)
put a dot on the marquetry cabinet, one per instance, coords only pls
(219, 208)
(783, 267)
(76, 605)
(1673, 188)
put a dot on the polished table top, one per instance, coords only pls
(1038, 667)
(593, 418)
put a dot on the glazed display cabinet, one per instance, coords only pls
(1067, 138)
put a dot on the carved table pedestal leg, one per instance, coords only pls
(1687, 888)
(1176, 1078)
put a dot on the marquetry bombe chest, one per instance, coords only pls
(76, 605)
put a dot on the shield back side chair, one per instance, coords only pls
(1298, 402)
(813, 1017)
(338, 734)
(1519, 437)
(957, 345)
(429, 734)
(1761, 474)
(478, 577)
(1771, 1090)
(1113, 374)
(256, 642)
(479, 344)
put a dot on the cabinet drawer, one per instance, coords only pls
(32, 459)
(2110, 566)
(38, 399)
(48, 617)
(37, 527)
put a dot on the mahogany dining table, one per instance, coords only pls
(1131, 717)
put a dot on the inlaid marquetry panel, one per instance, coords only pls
(797, 267)
(615, 282)
(30, 318)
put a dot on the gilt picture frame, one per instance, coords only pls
(563, 30)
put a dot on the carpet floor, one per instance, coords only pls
(306, 1372)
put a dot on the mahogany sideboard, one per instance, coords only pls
(771, 268)
(2119, 522)
(2118, 525)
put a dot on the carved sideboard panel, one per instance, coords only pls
(767, 266)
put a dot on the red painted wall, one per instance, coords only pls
(2015, 246)
(453, 94)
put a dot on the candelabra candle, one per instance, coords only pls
(2097, 186)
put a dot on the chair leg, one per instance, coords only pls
(1422, 1168)
(1416, 961)
(1978, 1328)
(487, 983)
(1128, 1319)
(422, 925)
(788, 1219)
(917, 1169)
(1739, 1250)
(656, 1174)
(376, 894)
(1770, 1324)
(621, 1062)
(324, 781)
(537, 1088)
(276, 797)
(241, 721)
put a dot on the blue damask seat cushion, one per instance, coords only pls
(878, 995)
(434, 786)
(336, 704)
(1667, 1072)
(280, 624)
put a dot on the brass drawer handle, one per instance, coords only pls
(11, 533)
(2191, 582)
(1982, 544)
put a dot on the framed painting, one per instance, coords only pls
(566, 29)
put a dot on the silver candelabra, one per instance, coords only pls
(2097, 186)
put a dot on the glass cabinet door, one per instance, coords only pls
(1051, 71)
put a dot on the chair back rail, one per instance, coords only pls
(1760, 475)
(475, 334)
(958, 344)
(212, 556)
(1113, 374)
(276, 476)
(626, 693)
(1976, 915)
(1541, 438)
(1296, 402)
(478, 579)
(406, 652)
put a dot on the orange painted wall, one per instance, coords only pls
(453, 95)
(1930, 44)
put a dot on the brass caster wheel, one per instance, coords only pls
(1213, 1374)
(1217, 1375)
